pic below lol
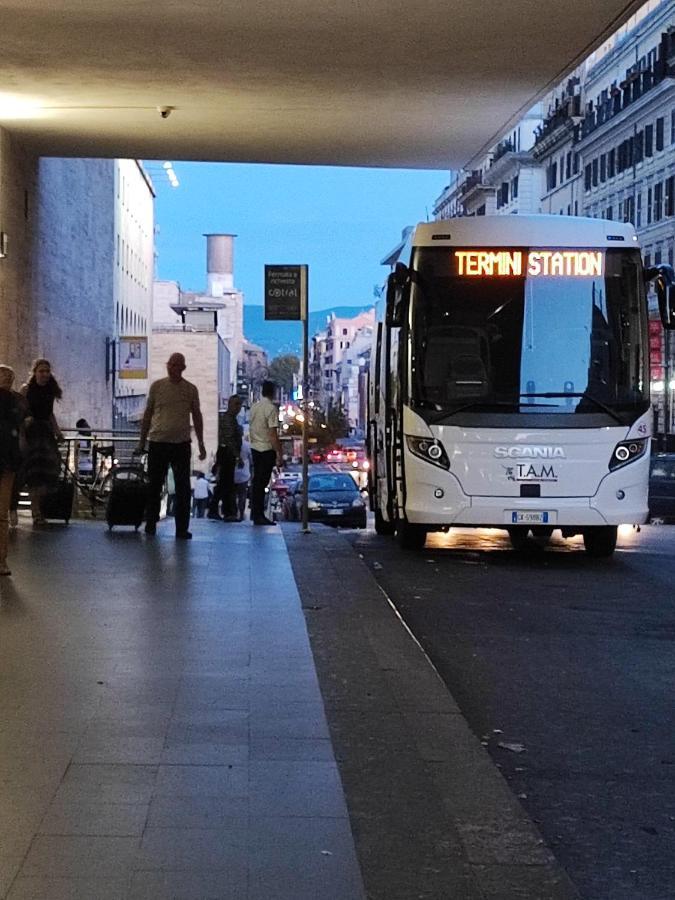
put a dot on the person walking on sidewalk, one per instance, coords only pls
(41, 468)
(242, 476)
(12, 413)
(229, 447)
(200, 495)
(166, 427)
(265, 449)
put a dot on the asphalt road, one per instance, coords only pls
(565, 667)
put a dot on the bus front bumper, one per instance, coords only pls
(442, 503)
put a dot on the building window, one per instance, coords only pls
(610, 163)
(638, 213)
(670, 196)
(659, 133)
(649, 140)
(657, 258)
(639, 147)
(587, 177)
(672, 126)
(568, 166)
(609, 214)
(514, 187)
(595, 172)
(603, 167)
(658, 202)
(649, 206)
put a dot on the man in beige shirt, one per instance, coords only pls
(166, 427)
(265, 449)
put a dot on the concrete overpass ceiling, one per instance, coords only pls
(376, 83)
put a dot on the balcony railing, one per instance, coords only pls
(502, 148)
(636, 84)
(564, 114)
(474, 179)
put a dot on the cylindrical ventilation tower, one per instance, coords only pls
(219, 263)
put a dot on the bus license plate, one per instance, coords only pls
(529, 518)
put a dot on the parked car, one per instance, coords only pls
(317, 456)
(662, 486)
(333, 498)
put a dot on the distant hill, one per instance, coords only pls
(278, 338)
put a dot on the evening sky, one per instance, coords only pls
(339, 221)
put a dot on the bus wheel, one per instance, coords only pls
(410, 537)
(600, 541)
(381, 524)
(518, 535)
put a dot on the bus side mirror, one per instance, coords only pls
(396, 287)
(664, 281)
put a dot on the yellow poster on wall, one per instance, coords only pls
(133, 357)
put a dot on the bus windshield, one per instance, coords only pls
(492, 334)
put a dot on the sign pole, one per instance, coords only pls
(305, 396)
(286, 298)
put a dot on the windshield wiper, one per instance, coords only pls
(583, 395)
(478, 404)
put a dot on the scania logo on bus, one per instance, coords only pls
(523, 451)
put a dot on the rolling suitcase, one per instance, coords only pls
(128, 496)
(58, 502)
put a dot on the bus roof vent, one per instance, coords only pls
(615, 237)
(441, 237)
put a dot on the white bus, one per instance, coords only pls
(509, 380)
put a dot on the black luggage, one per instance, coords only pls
(58, 502)
(128, 496)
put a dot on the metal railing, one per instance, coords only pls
(90, 458)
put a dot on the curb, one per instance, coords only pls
(432, 816)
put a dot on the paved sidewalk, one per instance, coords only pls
(164, 730)
(163, 734)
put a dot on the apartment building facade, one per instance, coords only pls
(602, 145)
(133, 278)
(336, 360)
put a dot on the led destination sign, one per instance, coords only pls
(532, 263)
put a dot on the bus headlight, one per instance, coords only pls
(626, 452)
(428, 449)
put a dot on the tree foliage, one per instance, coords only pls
(282, 369)
(323, 428)
(337, 424)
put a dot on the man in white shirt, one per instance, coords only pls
(200, 496)
(265, 449)
(166, 426)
